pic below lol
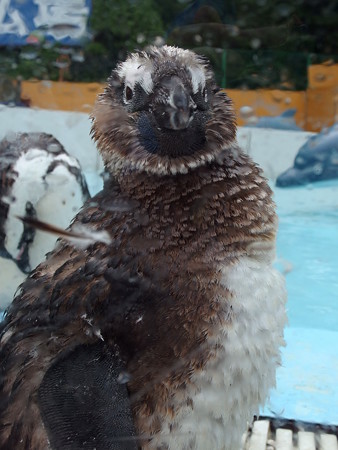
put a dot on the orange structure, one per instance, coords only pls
(322, 96)
(316, 107)
(64, 95)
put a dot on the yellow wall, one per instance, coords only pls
(316, 107)
(269, 103)
(61, 95)
(322, 96)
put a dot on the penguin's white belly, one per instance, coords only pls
(10, 278)
(236, 382)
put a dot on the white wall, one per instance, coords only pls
(70, 128)
(274, 150)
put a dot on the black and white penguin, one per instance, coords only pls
(165, 333)
(40, 180)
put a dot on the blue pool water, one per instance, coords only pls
(309, 242)
(307, 248)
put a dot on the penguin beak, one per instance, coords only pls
(182, 107)
(179, 109)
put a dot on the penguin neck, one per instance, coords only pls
(133, 181)
(136, 183)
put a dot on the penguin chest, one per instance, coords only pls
(222, 397)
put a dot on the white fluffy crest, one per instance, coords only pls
(193, 63)
(136, 70)
(197, 78)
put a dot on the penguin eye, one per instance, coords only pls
(128, 93)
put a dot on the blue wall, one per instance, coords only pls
(31, 21)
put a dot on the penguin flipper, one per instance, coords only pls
(83, 403)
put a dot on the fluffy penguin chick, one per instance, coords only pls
(167, 335)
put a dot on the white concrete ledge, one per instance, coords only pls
(72, 129)
(273, 150)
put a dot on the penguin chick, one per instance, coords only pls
(167, 335)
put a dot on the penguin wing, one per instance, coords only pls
(66, 322)
(80, 402)
(84, 402)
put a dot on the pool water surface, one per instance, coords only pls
(307, 252)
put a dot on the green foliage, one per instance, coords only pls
(118, 26)
(123, 25)
(29, 63)
(263, 43)
(251, 43)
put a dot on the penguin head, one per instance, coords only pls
(161, 112)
